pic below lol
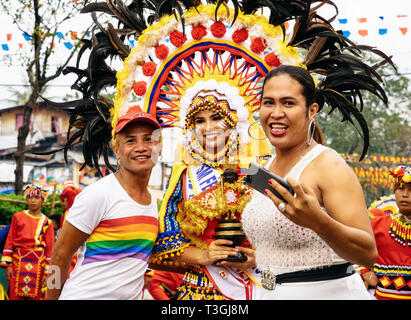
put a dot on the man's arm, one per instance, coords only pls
(68, 242)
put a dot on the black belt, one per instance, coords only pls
(269, 280)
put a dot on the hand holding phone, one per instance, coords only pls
(257, 178)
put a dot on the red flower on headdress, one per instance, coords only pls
(198, 32)
(218, 29)
(177, 38)
(135, 109)
(272, 60)
(240, 35)
(161, 51)
(149, 68)
(140, 88)
(258, 45)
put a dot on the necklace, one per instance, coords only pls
(400, 231)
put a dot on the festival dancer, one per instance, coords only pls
(28, 247)
(211, 112)
(67, 196)
(390, 275)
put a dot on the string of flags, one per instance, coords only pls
(19, 40)
(373, 170)
(381, 25)
(370, 159)
(374, 177)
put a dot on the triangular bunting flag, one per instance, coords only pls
(26, 36)
(363, 33)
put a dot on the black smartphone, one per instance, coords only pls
(257, 178)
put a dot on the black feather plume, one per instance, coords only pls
(336, 59)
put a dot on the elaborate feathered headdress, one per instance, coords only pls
(34, 190)
(180, 43)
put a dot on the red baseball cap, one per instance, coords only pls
(135, 114)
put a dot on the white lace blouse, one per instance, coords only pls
(280, 244)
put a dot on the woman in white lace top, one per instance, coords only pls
(305, 246)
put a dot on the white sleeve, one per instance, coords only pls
(88, 209)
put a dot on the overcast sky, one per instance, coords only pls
(385, 23)
(387, 26)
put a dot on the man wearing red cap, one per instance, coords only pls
(113, 223)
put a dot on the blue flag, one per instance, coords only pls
(26, 36)
(346, 33)
(68, 45)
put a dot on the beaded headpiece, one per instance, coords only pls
(179, 44)
(33, 190)
(224, 100)
(401, 175)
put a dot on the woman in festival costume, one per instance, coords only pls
(390, 275)
(229, 47)
(306, 243)
(28, 247)
(213, 113)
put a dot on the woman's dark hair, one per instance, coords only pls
(309, 91)
(299, 74)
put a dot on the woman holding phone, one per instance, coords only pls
(305, 245)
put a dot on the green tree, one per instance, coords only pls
(9, 208)
(389, 127)
(40, 21)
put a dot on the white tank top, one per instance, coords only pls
(281, 245)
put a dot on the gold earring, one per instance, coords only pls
(249, 133)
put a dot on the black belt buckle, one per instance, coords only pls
(269, 279)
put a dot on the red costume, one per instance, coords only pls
(393, 265)
(164, 284)
(28, 249)
(69, 192)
